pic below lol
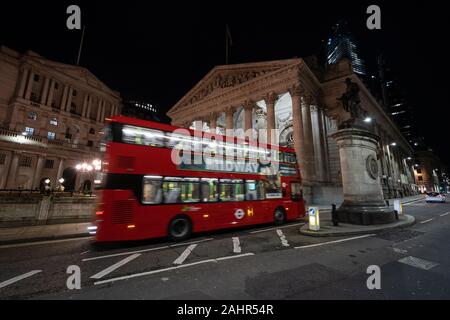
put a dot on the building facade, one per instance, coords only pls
(428, 169)
(302, 105)
(51, 117)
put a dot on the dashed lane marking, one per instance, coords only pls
(334, 241)
(283, 239)
(445, 214)
(173, 268)
(426, 221)
(185, 254)
(18, 278)
(275, 228)
(146, 250)
(236, 245)
(418, 263)
(115, 266)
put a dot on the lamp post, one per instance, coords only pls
(88, 167)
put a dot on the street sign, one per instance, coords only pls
(314, 219)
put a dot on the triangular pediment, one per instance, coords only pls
(225, 77)
(75, 72)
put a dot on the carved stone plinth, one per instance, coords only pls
(363, 196)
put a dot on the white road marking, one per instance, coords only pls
(190, 242)
(43, 242)
(185, 254)
(418, 263)
(426, 221)
(445, 214)
(18, 278)
(173, 268)
(115, 266)
(274, 228)
(335, 241)
(283, 239)
(145, 250)
(398, 250)
(236, 245)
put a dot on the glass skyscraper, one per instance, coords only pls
(342, 44)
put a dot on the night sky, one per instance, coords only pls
(158, 51)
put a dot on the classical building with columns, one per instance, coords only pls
(51, 117)
(300, 100)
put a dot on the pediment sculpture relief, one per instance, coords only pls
(223, 81)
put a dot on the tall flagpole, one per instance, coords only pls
(226, 44)
(81, 45)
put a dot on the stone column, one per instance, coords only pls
(23, 82)
(99, 110)
(102, 117)
(83, 112)
(229, 121)
(64, 98)
(270, 107)
(297, 124)
(30, 85)
(213, 122)
(309, 143)
(13, 167)
(69, 99)
(45, 91)
(51, 93)
(38, 172)
(89, 106)
(363, 196)
(59, 173)
(248, 115)
(324, 174)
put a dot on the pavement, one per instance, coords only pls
(254, 263)
(73, 230)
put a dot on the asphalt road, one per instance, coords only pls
(264, 262)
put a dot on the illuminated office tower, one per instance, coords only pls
(341, 44)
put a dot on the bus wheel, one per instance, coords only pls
(279, 216)
(180, 228)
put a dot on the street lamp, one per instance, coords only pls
(47, 181)
(368, 119)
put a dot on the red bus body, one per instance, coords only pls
(121, 215)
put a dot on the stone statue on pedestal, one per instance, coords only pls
(351, 103)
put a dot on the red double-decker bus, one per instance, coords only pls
(144, 193)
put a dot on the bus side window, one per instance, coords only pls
(209, 190)
(254, 190)
(151, 190)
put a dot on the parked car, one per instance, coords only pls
(435, 197)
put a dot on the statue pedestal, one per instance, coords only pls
(363, 196)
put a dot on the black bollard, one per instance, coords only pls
(396, 214)
(334, 217)
(387, 203)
